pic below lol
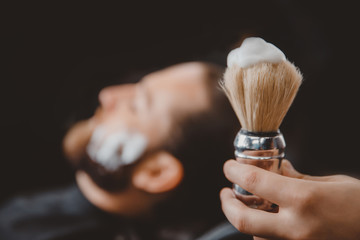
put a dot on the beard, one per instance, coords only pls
(117, 180)
(75, 145)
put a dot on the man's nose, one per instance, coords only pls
(112, 96)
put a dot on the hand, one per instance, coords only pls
(309, 207)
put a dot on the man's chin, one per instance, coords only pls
(128, 203)
(116, 180)
(95, 194)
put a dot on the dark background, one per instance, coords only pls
(58, 56)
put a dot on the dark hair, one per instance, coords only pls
(205, 142)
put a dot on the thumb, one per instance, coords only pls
(288, 170)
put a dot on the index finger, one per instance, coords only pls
(265, 184)
(249, 220)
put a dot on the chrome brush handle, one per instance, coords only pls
(264, 150)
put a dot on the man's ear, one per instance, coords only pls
(159, 172)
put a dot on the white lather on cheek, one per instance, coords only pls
(133, 148)
(116, 149)
(96, 138)
(107, 153)
(253, 51)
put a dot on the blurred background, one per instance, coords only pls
(59, 55)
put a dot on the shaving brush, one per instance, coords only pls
(261, 85)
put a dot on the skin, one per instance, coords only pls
(151, 107)
(309, 207)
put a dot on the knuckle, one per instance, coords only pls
(241, 224)
(250, 179)
(305, 199)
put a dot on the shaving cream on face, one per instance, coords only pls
(253, 51)
(115, 149)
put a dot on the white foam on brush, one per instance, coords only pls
(115, 149)
(252, 51)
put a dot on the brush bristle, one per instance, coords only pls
(262, 94)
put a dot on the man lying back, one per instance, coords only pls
(139, 162)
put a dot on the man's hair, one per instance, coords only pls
(205, 142)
